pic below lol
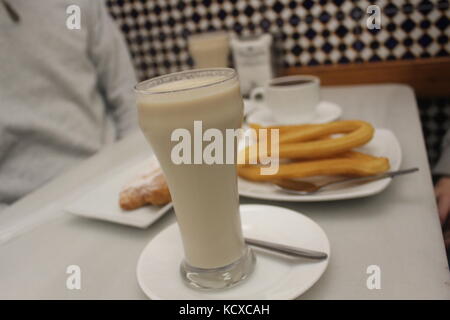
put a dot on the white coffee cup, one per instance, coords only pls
(291, 99)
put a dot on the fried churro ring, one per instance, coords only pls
(350, 164)
(305, 141)
(294, 134)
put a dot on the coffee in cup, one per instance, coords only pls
(291, 99)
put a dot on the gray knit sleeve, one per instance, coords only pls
(116, 76)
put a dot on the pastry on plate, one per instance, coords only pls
(147, 188)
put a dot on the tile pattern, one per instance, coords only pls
(312, 32)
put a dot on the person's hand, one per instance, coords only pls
(442, 191)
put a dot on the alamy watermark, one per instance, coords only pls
(73, 21)
(374, 19)
(221, 148)
(374, 279)
(73, 281)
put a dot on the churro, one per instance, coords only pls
(307, 141)
(350, 164)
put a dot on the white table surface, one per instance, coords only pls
(398, 230)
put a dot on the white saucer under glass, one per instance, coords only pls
(275, 276)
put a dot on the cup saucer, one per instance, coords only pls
(274, 277)
(326, 112)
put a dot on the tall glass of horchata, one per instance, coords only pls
(210, 49)
(204, 196)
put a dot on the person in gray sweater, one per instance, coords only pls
(442, 188)
(65, 93)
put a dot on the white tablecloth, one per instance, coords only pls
(397, 230)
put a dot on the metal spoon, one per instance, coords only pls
(307, 188)
(289, 250)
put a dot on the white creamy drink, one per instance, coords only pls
(209, 50)
(205, 197)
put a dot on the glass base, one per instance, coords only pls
(219, 278)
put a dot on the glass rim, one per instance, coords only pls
(138, 87)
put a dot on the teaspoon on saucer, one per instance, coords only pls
(289, 250)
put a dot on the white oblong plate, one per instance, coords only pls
(383, 144)
(275, 277)
(100, 199)
(326, 112)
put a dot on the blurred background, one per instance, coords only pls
(328, 38)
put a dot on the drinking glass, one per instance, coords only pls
(205, 196)
(210, 49)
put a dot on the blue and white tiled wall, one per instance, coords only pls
(312, 32)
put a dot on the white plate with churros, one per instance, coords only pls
(358, 150)
(124, 196)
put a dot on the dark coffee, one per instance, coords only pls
(290, 83)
